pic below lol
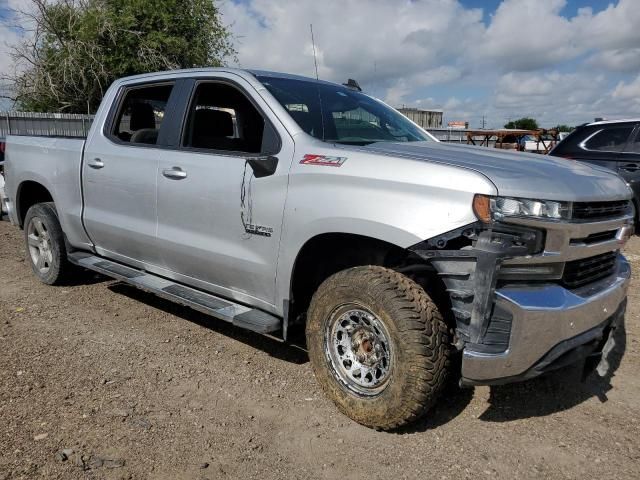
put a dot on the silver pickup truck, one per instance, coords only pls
(276, 202)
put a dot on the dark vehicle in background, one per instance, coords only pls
(613, 144)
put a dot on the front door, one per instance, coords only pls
(119, 175)
(219, 221)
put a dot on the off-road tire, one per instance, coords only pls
(419, 336)
(59, 267)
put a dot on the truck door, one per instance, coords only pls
(221, 195)
(119, 174)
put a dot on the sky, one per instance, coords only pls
(559, 61)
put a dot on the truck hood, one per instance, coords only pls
(518, 174)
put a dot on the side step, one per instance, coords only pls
(239, 315)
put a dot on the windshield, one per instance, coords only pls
(340, 115)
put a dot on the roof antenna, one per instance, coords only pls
(313, 43)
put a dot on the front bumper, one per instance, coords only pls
(549, 322)
(512, 322)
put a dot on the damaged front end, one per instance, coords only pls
(531, 295)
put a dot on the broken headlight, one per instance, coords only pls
(488, 208)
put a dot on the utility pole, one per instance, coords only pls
(483, 122)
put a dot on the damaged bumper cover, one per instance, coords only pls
(515, 330)
(551, 326)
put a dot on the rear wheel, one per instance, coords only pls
(378, 346)
(44, 239)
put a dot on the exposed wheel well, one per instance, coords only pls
(30, 193)
(329, 253)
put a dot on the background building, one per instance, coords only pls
(424, 118)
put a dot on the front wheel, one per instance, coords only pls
(46, 251)
(378, 346)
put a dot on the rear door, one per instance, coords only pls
(629, 165)
(119, 173)
(219, 220)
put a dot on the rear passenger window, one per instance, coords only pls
(609, 139)
(221, 117)
(141, 114)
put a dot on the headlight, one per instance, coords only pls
(495, 208)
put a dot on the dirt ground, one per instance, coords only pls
(99, 380)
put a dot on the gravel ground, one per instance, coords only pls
(99, 380)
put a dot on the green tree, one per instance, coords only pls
(77, 48)
(524, 123)
(564, 128)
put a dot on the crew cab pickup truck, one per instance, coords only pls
(276, 202)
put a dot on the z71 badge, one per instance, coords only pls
(323, 160)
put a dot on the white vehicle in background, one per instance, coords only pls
(544, 145)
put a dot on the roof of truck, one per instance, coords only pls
(240, 71)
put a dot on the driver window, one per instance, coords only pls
(222, 118)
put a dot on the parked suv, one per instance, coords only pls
(613, 144)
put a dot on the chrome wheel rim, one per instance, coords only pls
(39, 243)
(358, 347)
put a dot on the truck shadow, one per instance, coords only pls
(84, 277)
(555, 392)
(293, 351)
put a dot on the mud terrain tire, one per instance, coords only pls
(394, 314)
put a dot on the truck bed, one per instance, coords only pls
(55, 163)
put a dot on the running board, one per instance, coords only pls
(239, 315)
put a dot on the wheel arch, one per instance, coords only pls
(327, 253)
(29, 193)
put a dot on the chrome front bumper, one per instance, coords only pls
(545, 318)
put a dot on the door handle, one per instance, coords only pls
(175, 173)
(96, 163)
(630, 167)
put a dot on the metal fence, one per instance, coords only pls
(77, 125)
(45, 124)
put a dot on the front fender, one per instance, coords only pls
(403, 203)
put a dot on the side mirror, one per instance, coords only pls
(263, 166)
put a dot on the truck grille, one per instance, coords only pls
(586, 270)
(599, 210)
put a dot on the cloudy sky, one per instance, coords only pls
(560, 61)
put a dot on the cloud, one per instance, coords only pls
(13, 27)
(527, 57)
(372, 42)
(618, 60)
(528, 35)
(628, 91)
